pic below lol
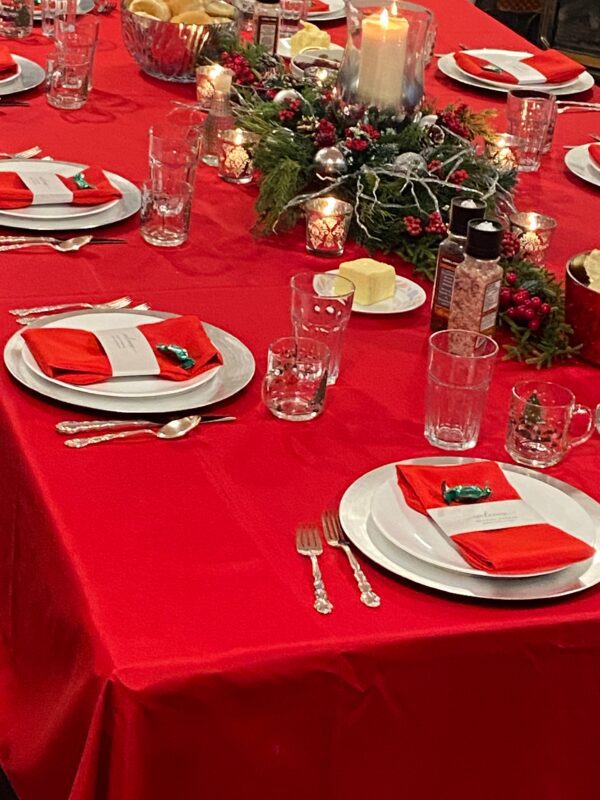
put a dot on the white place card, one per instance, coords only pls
(46, 187)
(522, 72)
(490, 516)
(129, 352)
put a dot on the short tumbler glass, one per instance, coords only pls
(165, 214)
(528, 116)
(321, 308)
(295, 384)
(68, 78)
(460, 367)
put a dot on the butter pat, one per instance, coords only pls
(374, 280)
(591, 265)
(309, 36)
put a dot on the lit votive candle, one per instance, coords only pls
(327, 224)
(236, 154)
(503, 151)
(320, 76)
(207, 79)
(534, 231)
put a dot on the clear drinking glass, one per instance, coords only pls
(165, 214)
(292, 11)
(79, 34)
(16, 18)
(528, 117)
(51, 11)
(173, 156)
(321, 308)
(67, 83)
(460, 367)
(295, 384)
(539, 423)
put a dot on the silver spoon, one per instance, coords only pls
(172, 430)
(30, 153)
(62, 245)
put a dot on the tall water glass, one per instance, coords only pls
(78, 34)
(51, 11)
(173, 156)
(16, 18)
(321, 308)
(295, 384)
(460, 367)
(528, 117)
(165, 214)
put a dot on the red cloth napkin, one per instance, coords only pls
(594, 151)
(14, 193)
(555, 66)
(527, 548)
(317, 7)
(8, 65)
(76, 356)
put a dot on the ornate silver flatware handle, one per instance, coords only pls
(102, 425)
(78, 443)
(367, 595)
(19, 312)
(322, 602)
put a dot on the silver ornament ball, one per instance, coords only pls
(283, 95)
(409, 162)
(330, 162)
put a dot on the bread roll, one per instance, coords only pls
(151, 8)
(219, 8)
(198, 17)
(181, 6)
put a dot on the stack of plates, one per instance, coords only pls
(140, 395)
(579, 162)
(380, 524)
(29, 75)
(337, 10)
(449, 67)
(65, 216)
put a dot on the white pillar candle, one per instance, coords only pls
(382, 58)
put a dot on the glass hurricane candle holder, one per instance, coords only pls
(535, 232)
(207, 79)
(327, 224)
(236, 154)
(503, 151)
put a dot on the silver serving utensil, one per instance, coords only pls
(336, 537)
(120, 302)
(172, 430)
(86, 426)
(33, 151)
(42, 317)
(308, 543)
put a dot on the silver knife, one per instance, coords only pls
(74, 426)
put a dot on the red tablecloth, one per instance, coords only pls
(157, 626)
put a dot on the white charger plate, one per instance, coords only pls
(578, 162)
(60, 211)
(31, 75)
(448, 66)
(14, 76)
(357, 522)
(418, 535)
(237, 371)
(408, 296)
(506, 57)
(126, 206)
(337, 10)
(142, 386)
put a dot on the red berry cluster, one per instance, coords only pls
(293, 106)
(240, 66)
(360, 137)
(459, 176)
(510, 245)
(519, 305)
(454, 120)
(435, 223)
(413, 225)
(326, 134)
(434, 166)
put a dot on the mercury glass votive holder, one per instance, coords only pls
(327, 224)
(206, 77)
(320, 76)
(535, 232)
(503, 151)
(236, 155)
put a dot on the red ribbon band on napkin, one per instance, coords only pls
(526, 548)
(14, 193)
(77, 357)
(8, 65)
(594, 151)
(554, 66)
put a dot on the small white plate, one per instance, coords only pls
(447, 65)
(506, 57)
(337, 10)
(418, 535)
(578, 162)
(409, 295)
(358, 524)
(142, 386)
(332, 53)
(30, 76)
(14, 76)
(57, 212)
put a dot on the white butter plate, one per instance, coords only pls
(357, 522)
(417, 534)
(236, 372)
(30, 76)
(142, 386)
(408, 296)
(578, 162)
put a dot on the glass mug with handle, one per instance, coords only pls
(539, 423)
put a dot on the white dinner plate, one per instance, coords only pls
(83, 7)
(127, 205)
(14, 76)
(30, 76)
(408, 296)
(57, 212)
(337, 10)
(236, 372)
(506, 57)
(447, 65)
(578, 162)
(362, 531)
(141, 386)
(419, 536)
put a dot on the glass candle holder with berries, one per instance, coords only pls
(534, 232)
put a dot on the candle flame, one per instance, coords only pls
(329, 206)
(394, 9)
(384, 18)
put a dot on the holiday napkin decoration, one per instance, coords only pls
(14, 193)
(594, 151)
(81, 357)
(501, 532)
(8, 65)
(547, 67)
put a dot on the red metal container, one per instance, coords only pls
(583, 310)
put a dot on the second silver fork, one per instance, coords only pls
(335, 536)
(120, 302)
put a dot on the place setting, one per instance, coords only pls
(17, 74)
(584, 161)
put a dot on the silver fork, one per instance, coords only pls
(41, 317)
(120, 302)
(335, 536)
(308, 543)
(62, 245)
(33, 151)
